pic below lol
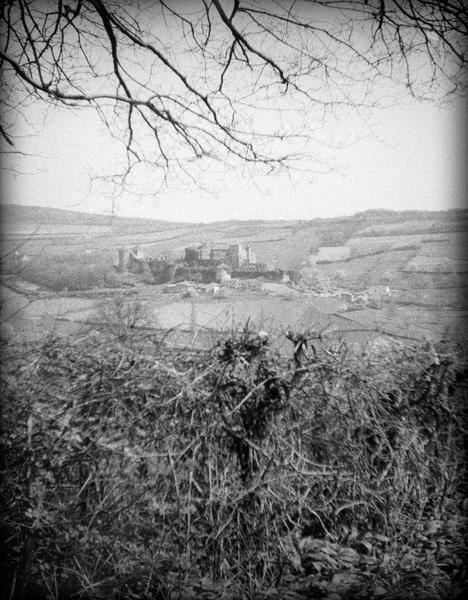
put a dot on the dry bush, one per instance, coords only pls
(122, 317)
(137, 472)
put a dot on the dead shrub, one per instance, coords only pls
(134, 472)
(122, 316)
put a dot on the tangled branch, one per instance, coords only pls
(179, 82)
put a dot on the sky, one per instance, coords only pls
(415, 160)
(410, 155)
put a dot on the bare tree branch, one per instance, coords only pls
(182, 81)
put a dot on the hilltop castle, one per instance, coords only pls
(235, 255)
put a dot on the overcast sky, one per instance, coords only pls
(407, 156)
(415, 160)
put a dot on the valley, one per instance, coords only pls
(351, 279)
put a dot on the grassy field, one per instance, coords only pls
(369, 269)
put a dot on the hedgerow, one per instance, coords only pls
(136, 471)
(68, 271)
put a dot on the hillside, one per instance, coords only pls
(282, 244)
(420, 255)
(372, 222)
(16, 218)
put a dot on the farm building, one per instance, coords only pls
(20, 259)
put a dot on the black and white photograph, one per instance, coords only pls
(233, 306)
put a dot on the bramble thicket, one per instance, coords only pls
(131, 470)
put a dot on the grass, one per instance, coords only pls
(133, 471)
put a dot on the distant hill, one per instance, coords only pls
(283, 244)
(14, 215)
(18, 214)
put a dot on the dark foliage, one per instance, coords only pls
(132, 471)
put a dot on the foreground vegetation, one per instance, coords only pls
(133, 471)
